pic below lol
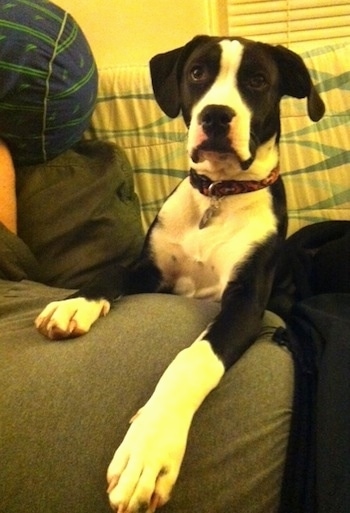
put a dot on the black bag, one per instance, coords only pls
(315, 294)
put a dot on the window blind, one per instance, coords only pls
(293, 23)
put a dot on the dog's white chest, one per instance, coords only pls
(199, 262)
(194, 265)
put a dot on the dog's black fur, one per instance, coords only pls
(228, 91)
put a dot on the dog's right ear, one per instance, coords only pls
(166, 70)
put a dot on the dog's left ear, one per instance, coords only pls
(296, 81)
(166, 69)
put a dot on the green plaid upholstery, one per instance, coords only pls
(314, 156)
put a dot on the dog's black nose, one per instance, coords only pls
(215, 119)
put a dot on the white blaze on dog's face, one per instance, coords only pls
(223, 92)
(230, 90)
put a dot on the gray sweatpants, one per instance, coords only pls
(65, 407)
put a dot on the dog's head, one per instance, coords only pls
(228, 91)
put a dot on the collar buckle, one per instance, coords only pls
(212, 188)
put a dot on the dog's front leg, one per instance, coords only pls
(75, 315)
(146, 465)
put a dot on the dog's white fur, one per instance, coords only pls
(148, 460)
(200, 257)
(225, 92)
(74, 316)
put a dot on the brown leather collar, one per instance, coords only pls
(222, 188)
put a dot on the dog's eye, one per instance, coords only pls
(257, 82)
(198, 73)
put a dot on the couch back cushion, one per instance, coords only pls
(314, 156)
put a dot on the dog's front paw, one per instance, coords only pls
(146, 465)
(71, 317)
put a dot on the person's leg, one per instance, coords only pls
(66, 407)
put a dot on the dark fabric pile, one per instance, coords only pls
(312, 293)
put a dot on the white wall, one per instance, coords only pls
(131, 31)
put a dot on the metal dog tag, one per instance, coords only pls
(209, 213)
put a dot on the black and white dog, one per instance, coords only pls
(217, 237)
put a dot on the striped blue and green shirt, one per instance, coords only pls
(48, 80)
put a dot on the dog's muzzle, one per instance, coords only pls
(215, 124)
